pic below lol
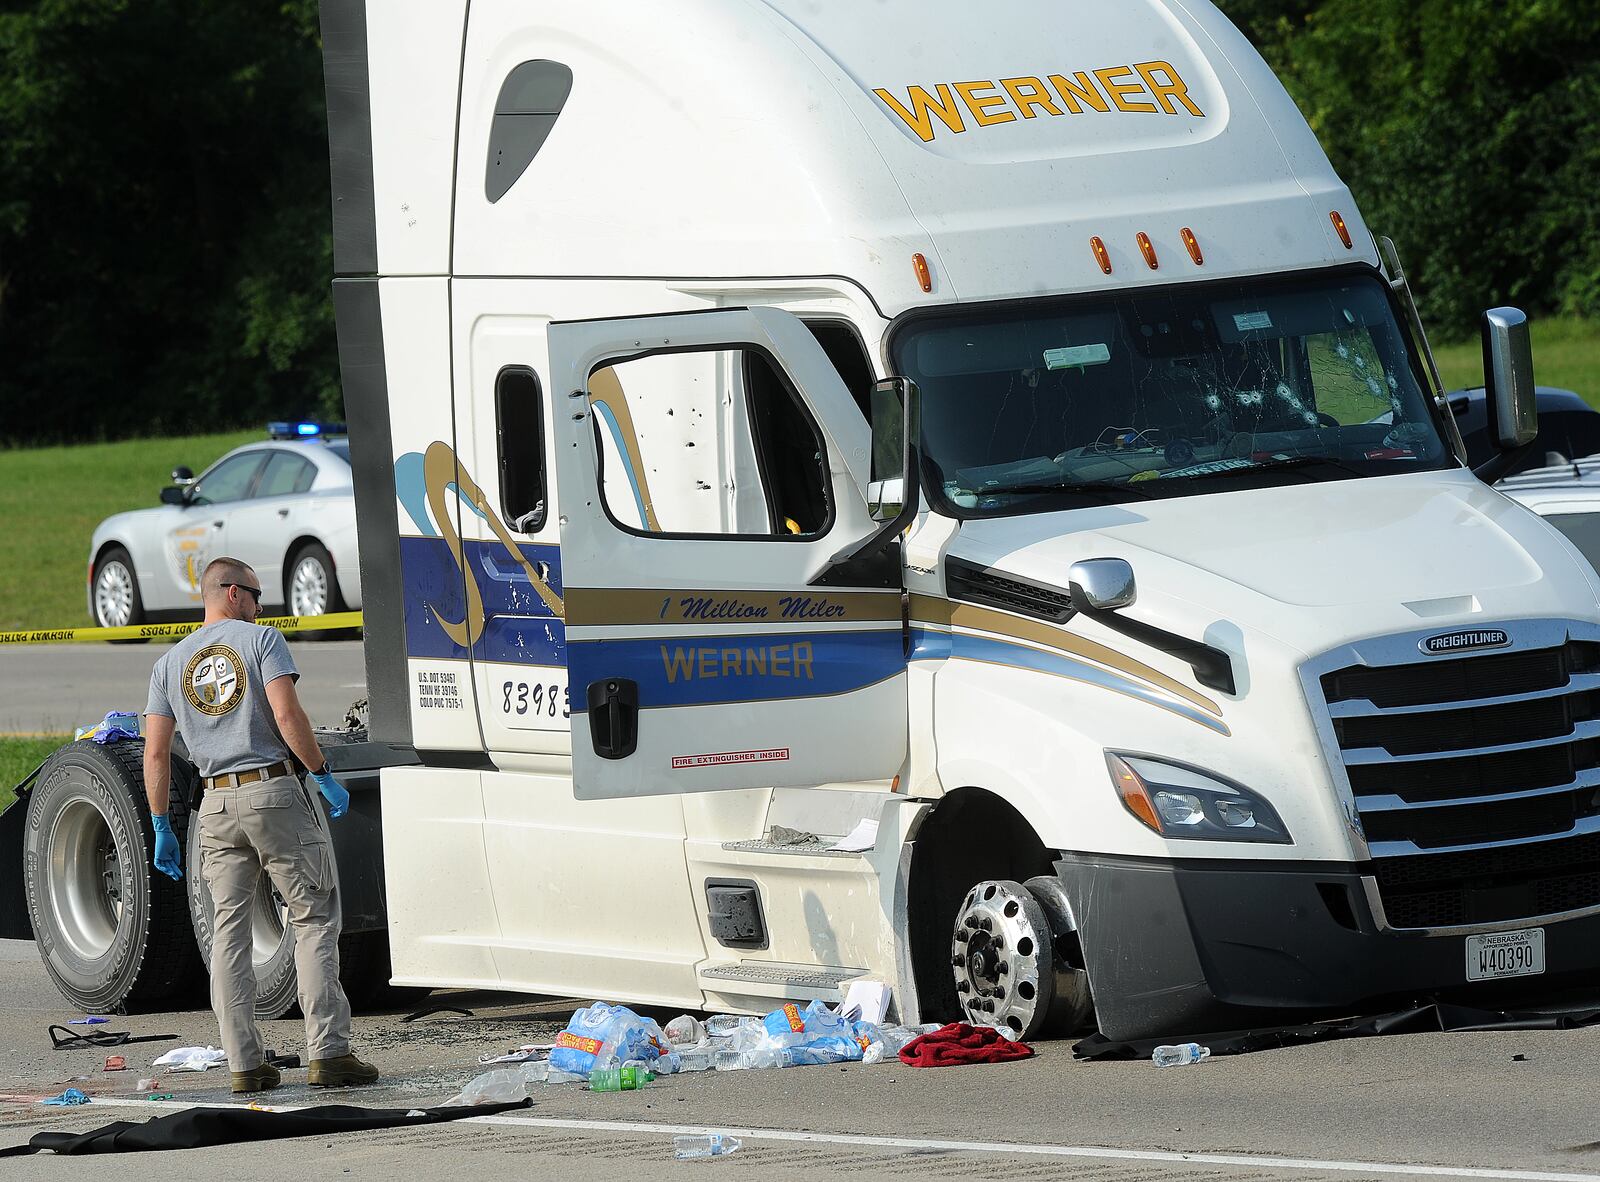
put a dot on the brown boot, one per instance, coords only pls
(262, 1079)
(342, 1072)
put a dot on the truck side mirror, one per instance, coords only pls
(896, 420)
(1508, 378)
(1102, 584)
(174, 496)
(896, 431)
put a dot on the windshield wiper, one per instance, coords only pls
(1105, 490)
(1273, 465)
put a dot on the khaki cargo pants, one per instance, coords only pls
(275, 826)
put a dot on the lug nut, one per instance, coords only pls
(962, 936)
(963, 987)
(986, 924)
(971, 921)
(958, 960)
(1002, 968)
(999, 990)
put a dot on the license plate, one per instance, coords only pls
(1505, 954)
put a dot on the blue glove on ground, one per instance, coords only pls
(166, 846)
(333, 792)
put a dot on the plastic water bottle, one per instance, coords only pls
(1189, 1052)
(703, 1145)
(618, 1079)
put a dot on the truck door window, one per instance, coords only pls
(708, 443)
(519, 431)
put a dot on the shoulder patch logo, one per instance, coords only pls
(214, 681)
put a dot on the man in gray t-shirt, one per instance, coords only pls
(229, 688)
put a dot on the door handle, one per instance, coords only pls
(614, 717)
(217, 524)
(283, 512)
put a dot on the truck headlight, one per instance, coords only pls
(1183, 802)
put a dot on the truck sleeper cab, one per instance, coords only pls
(1206, 686)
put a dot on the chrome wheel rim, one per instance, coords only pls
(1002, 953)
(308, 588)
(268, 918)
(113, 595)
(86, 889)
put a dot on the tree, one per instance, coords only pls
(164, 229)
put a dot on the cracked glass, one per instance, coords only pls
(1140, 395)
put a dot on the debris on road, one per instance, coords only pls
(690, 1146)
(191, 1059)
(1179, 1056)
(959, 1043)
(89, 1020)
(116, 1063)
(67, 1099)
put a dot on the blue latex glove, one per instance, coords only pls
(333, 792)
(166, 846)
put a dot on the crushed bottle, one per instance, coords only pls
(1179, 1056)
(689, 1146)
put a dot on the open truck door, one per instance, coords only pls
(711, 466)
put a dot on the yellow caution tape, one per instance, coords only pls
(154, 631)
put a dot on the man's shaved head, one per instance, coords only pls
(220, 571)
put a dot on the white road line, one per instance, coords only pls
(1012, 1147)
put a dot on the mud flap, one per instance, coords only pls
(14, 921)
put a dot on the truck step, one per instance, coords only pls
(773, 979)
(810, 849)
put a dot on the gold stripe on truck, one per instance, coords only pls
(928, 609)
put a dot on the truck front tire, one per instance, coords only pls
(113, 932)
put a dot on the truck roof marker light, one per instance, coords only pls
(919, 264)
(1148, 249)
(1132, 791)
(1192, 245)
(1101, 254)
(1342, 229)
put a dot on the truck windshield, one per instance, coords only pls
(1134, 396)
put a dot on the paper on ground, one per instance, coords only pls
(863, 837)
(866, 1000)
(192, 1059)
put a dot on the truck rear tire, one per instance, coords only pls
(363, 956)
(112, 931)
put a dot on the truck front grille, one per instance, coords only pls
(1447, 756)
(1490, 885)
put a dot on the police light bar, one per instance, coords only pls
(303, 430)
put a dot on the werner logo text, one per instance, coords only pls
(702, 662)
(1151, 88)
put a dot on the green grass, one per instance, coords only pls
(51, 498)
(1565, 353)
(19, 755)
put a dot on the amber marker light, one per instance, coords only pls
(1101, 255)
(1132, 790)
(924, 276)
(1192, 245)
(1344, 231)
(1147, 248)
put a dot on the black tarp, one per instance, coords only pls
(194, 1128)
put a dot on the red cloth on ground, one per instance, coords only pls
(959, 1043)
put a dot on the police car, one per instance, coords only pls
(285, 505)
(1559, 477)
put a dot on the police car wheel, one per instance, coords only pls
(110, 929)
(311, 589)
(115, 591)
(271, 944)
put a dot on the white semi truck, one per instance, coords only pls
(991, 433)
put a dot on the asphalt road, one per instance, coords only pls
(1497, 1105)
(54, 688)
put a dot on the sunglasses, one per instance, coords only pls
(255, 592)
